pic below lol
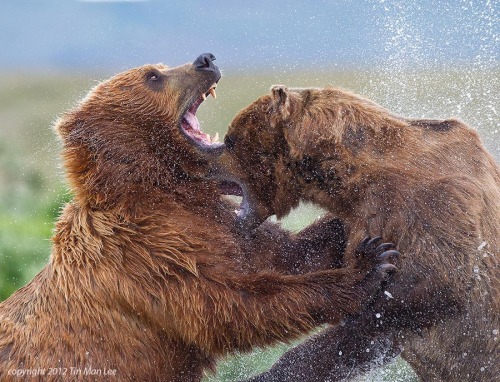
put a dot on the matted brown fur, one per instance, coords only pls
(148, 278)
(429, 186)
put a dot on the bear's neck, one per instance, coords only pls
(134, 188)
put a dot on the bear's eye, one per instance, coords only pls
(153, 76)
(154, 79)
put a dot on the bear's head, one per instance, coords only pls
(256, 156)
(295, 144)
(129, 137)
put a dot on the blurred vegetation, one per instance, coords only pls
(31, 182)
(32, 188)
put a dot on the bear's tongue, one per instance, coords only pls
(191, 125)
(191, 121)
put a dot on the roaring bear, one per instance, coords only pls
(429, 186)
(149, 280)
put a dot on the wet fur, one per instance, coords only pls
(148, 275)
(429, 186)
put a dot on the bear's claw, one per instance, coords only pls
(371, 255)
(388, 254)
(370, 247)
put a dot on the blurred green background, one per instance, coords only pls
(33, 189)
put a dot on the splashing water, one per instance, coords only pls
(414, 82)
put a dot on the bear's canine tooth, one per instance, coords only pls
(213, 139)
(212, 92)
(203, 96)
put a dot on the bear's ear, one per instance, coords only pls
(281, 100)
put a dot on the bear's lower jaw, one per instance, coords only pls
(250, 213)
(247, 217)
(227, 187)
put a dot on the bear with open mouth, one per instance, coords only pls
(149, 277)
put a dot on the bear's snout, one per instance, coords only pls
(205, 61)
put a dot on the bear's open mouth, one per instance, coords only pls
(227, 187)
(191, 126)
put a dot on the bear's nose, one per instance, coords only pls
(205, 62)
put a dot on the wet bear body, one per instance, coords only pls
(429, 186)
(148, 278)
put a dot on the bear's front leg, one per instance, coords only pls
(236, 312)
(319, 246)
(344, 350)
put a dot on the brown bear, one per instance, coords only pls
(429, 186)
(148, 279)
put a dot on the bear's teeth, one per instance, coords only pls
(212, 92)
(215, 138)
(203, 96)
